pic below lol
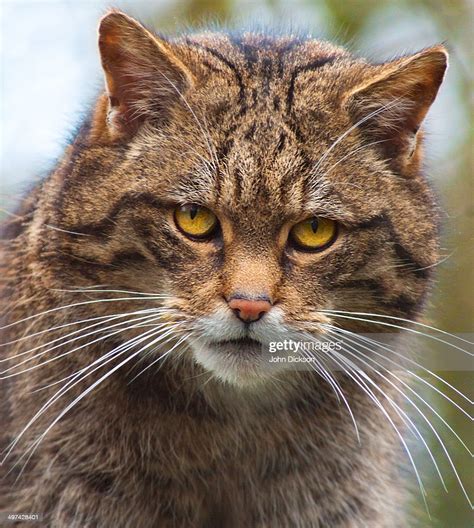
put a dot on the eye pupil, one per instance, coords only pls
(193, 212)
(195, 221)
(313, 234)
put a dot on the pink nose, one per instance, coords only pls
(248, 310)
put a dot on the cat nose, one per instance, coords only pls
(249, 310)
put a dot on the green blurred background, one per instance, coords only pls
(50, 71)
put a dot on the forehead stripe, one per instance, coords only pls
(313, 66)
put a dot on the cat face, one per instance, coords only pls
(257, 182)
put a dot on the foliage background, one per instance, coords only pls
(50, 72)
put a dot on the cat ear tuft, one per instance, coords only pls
(141, 73)
(391, 106)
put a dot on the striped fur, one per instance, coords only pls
(247, 125)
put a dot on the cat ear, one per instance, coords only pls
(391, 107)
(142, 74)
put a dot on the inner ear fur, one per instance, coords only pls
(391, 106)
(142, 75)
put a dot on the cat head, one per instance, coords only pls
(258, 181)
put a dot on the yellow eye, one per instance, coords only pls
(195, 221)
(314, 234)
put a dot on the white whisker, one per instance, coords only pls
(180, 341)
(353, 127)
(58, 308)
(100, 362)
(100, 289)
(147, 319)
(37, 442)
(205, 133)
(351, 153)
(439, 378)
(383, 316)
(409, 360)
(102, 319)
(355, 374)
(458, 478)
(325, 373)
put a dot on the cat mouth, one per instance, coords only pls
(245, 345)
(239, 361)
(243, 341)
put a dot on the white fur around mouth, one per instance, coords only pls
(233, 352)
(238, 362)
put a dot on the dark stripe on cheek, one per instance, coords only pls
(413, 266)
(170, 251)
(162, 257)
(376, 221)
(401, 302)
(107, 224)
(402, 253)
(350, 261)
(88, 269)
(127, 258)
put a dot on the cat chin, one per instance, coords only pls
(238, 363)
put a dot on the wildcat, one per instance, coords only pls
(226, 191)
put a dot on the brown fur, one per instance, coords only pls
(179, 447)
